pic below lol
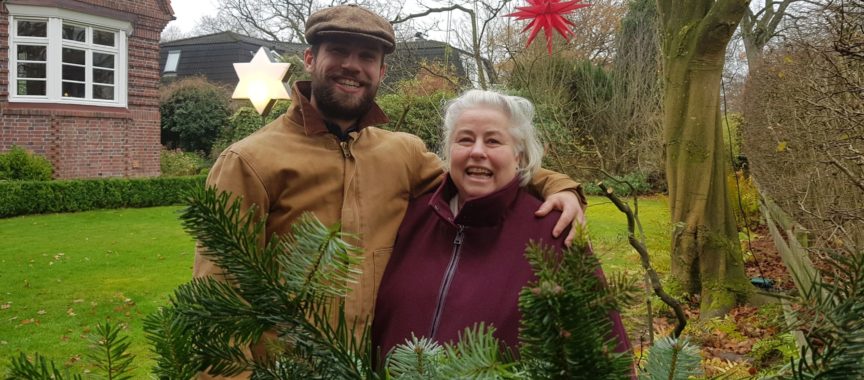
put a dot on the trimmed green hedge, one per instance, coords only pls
(39, 197)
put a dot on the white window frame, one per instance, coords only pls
(55, 18)
(172, 61)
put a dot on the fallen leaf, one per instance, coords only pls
(5, 305)
(41, 312)
(73, 359)
(71, 312)
(78, 301)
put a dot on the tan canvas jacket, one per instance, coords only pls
(294, 165)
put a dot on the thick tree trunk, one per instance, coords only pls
(706, 255)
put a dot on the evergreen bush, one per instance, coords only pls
(175, 163)
(20, 165)
(244, 122)
(39, 197)
(193, 112)
(423, 115)
(639, 182)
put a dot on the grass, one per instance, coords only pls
(607, 228)
(61, 274)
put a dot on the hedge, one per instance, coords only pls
(39, 197)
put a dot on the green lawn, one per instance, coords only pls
(61, 274)
(607, 228)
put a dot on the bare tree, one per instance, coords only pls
(279, 20)
(804, 134)
(759, 26)
(172, 33)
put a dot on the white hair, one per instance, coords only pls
(519, 111)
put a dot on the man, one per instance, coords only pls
(325, 156)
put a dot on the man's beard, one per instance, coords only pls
(331, 106)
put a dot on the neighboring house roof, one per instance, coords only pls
(213, 56)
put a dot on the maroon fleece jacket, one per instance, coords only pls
(448, 273)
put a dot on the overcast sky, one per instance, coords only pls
(188, 12)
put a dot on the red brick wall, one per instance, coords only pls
(88, 141)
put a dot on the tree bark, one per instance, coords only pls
(706, 254)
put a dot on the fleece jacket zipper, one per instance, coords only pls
(448, 278)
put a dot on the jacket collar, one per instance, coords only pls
(303, 113)
(486, 211)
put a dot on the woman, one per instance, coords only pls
(459, 255)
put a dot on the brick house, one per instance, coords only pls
(79, 83)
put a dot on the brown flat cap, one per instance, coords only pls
(350, 20)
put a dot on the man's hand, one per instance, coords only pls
(571, 209)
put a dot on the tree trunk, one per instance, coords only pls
(706, 254)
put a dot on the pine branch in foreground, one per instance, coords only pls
(171, 341)
(833, 320)
(110, 352)
(565, 330)
(284, 287)
(672, 359)
(21, 368)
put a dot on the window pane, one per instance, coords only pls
(74, 33)
(73, 73)
(102, 37)
(73, 90)
(172, 61)
(73, 56)
(103, 60)
(31, 53)
(31, 70)
(103, 76)
(31, 87)
(103, 92)
(33, 28)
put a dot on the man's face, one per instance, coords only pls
(345, 76)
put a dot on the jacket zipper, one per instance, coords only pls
(345, 151)
(448, 278)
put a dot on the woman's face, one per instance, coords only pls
(482, 153)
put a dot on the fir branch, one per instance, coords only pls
(234, 241)
(216, 308)
(417, 359)
(21, 368)
(672, 359)
(477, 355)
(565, 328)
(320, 263)
(171, 341)
(110, 352)
(833, 318)
(346, 353)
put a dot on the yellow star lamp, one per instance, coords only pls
(262, 81)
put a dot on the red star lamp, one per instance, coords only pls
(547, 15)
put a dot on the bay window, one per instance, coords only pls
(62, 56)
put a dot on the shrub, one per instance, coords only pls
(244, 122)
(19, 164)
(175, 163)
(639, 181)
(422, 115)
(37, 197)
(193, 112)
